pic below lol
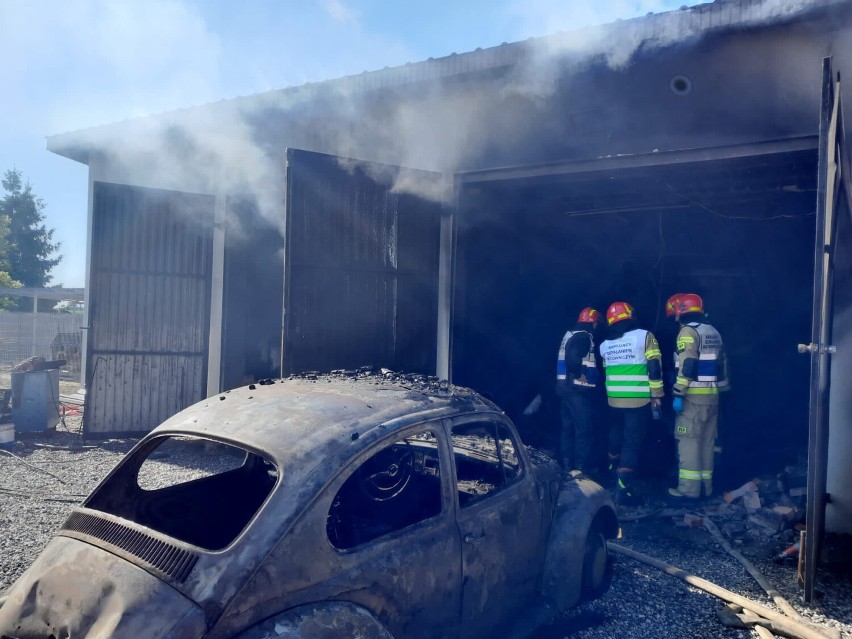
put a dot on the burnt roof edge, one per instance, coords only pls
(704, 18)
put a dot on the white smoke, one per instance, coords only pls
(589, 29)
(169, 56)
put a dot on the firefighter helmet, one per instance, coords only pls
(589, 315)
(671, 305)
(689, 303)
(618, 311)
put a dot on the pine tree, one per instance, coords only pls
(29, 243)
(6, 280)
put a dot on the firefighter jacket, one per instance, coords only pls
(576, 364)
(633, 369)
(702, 370)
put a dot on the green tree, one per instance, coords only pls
(4, 244)
(29, 243)
(6, 280)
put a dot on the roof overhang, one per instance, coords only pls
(652, 31)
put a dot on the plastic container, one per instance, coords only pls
(35, 400)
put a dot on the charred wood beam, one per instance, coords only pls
(779, 600)
(780, 624)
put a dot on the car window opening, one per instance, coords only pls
(194, 490)
(397, 487)
(486, 460)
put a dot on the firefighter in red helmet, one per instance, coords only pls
(669, 331)
(577, 385)
(701, 373)
(634, 381)
(671, 306)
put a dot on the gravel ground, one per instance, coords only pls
(644, 602)
(51, 472)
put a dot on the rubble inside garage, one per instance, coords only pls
(765, 513)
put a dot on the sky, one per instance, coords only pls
(74, 64)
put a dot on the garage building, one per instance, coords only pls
(452, 216)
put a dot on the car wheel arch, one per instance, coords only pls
(581, 513)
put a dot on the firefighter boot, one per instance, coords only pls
(610, 477)
(624, 494)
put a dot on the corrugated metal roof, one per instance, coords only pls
(651, 30)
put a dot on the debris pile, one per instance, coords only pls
(764, 508)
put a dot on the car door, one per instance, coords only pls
(380, 541)
(394, 547)
(500, 521)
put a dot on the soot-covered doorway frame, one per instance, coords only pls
(733, 219)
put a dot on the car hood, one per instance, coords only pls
(77, 590)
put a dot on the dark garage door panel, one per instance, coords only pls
(362, 266)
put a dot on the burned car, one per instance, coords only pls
(322, 506)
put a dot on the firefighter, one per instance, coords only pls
(701, 372)
(577, 385)
(670, 363)
(671, 306)
(634, 380)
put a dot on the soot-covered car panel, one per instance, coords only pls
(324, 506)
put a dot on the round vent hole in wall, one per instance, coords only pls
(680, 85)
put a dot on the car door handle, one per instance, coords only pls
(473, 539)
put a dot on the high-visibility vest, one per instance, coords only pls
(588, 363)
(626, 365)
(706, 380)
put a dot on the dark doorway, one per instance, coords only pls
(533, 251)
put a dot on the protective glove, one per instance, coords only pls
(677, 405)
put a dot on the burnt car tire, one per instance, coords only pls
(597, 563)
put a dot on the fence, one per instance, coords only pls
(48, 335)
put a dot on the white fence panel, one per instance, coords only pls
(48, 335)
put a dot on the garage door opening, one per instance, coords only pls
(534, 246)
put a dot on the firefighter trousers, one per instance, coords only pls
(578, 437)
(626, 434)
(695, 432)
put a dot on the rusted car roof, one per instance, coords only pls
(301, 422)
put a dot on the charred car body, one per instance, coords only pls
(330, 506)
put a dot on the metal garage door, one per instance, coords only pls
(833, 200)
(149, 306)
(361, 265)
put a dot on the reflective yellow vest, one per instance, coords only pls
(626, 363)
